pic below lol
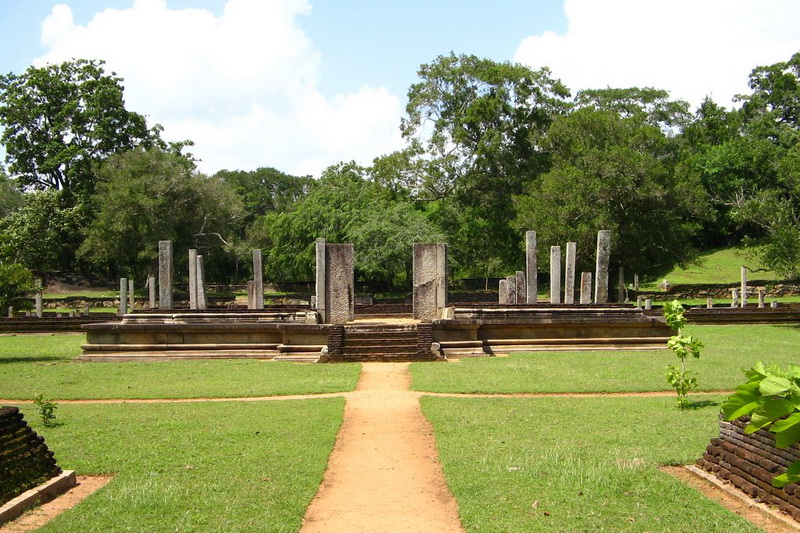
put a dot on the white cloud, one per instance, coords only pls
(693, 48)
(242, 86)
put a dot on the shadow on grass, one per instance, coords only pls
(35, 359)
(701, 404)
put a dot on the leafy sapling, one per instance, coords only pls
(45, 409)
(681, 379)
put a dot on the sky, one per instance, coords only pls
(299, 85)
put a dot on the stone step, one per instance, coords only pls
(173, 355)
(380, 341)
(404, 349)
(155, 347)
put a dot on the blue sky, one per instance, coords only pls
(302, 84)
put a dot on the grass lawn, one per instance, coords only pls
(33, 364)
(206, 467)
(577, 464)
(728, 349)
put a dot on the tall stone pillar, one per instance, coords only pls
(38, 299)
(511, 287)
(744, 286)
(601, 266)
(531, 274)
(151, 291)
(131, 296)
(165, 274)
(319, 287)
(192, 278)
(621, 285)
(569, 273)
(339, 292)
(430, 281)
(555, 274)
(503, 292)
(202, 303)
(123, 296)
(586, 287)
(258, 279)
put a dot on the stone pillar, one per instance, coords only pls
(339, 293)
(636, 282)
(131, 296)
(569, 273)
(123, 296)
(39, 304)
(192, 278)
(555, 274)
(258, 279)
(774, 304)
(601, 266)
(734, 298)
(251, 294)
(639, 300)
(531, 273)
(320, 288)
(621, 286)
(86, 309)
(709, 303)
(522, 293)
(202, 303)
(761, 295)
(430, 281)
(10, 311)
(648, 304)
(511, 287)
(151, 291)
(502, 292)
(586, 287)
(165, 274)
(744, 286)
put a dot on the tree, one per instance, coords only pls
(149, 195)
(477, 126)
(266, 190)
(60, 120)
(16, 282)
(10, 197)
(613, 172)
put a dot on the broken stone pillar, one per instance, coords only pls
(648, 304)
(569, 273)
(251, 294)
(601, 266)
(151, 291)
(531, 274)
(86, 309)
(39, 305)
(636, 282)
(320, 287)
(503, 292)
(131, 296)
(639, 300)
(10, 311)
(123, 296)
(744, 286)
(709, 303)
(258, 279)
(430, 281)
(192, 278)
(165, 274)
(202, 303)
(555, 274)
(761, 295)
(520, 285)
(511, 287)
(586, 287)
(734, 298)
(774, 304)
(621, 286)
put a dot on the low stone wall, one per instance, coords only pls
(25, 461)
(750, 462)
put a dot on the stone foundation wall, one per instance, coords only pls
(750, 462)
(25, 461)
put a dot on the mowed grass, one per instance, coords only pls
(34, 364)
(576, 464)
(728, 350)
(722, 265)
(211, 467)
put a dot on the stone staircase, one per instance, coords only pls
(382, 342)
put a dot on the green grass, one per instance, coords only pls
(728, 349)
(206, 467)
(33, 364)
(558, 465)
(715, 266)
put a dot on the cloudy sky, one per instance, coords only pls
(302, 84)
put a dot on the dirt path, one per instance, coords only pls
(384, 474)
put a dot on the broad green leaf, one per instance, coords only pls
(770, 410)
(792, 475)
(787, 431)
(774, 385)
(741, 403)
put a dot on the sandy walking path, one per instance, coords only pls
(384, 473)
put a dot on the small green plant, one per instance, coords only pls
(681, 379)
(771, 396)
(45, 409)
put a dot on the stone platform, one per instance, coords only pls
(294, 335)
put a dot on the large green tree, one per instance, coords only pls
(477, 127)
(149, 195)
(60, 120)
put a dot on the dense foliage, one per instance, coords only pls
(493, 149)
